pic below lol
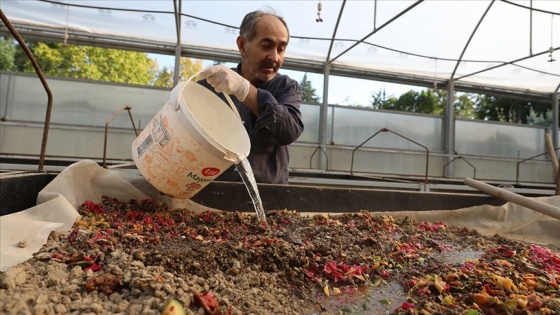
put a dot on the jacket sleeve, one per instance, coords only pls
(279, 122)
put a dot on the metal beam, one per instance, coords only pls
(335, 30)
(377, 29)
(470, 38)
(555, 113)
(323, 116)
(177, 7)
(449, 128)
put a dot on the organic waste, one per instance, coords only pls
(141, 257)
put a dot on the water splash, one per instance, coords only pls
(246, 172)
(380, 298)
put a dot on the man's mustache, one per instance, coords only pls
(269, 64)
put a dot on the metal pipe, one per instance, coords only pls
(460, 158)
(449, 127)
(531, 28)
(555, 113)
(326, 157)
(107, 130)
(377, 29)
(470, 38)
(177, 68)
(525, 160)
(395, 133)
(335, 30)
(43, 81)
(323, 115)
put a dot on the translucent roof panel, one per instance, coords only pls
(507, 44)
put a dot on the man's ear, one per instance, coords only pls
(241, 44)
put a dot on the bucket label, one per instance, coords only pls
(210, 171)
(160, 131)
(143, 147)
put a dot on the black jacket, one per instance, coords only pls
(278, 125)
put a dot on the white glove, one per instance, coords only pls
(225, 80)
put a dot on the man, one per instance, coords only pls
(267, 101)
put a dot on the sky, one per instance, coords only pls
(348, 91)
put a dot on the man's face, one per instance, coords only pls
(264, 55)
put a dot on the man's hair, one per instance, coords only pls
(248, 28)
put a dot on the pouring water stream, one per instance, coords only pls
(246, 172)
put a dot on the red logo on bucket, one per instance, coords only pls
(210, 171)
(193, 186)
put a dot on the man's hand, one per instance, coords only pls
(225, 80)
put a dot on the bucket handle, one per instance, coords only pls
(228, 98)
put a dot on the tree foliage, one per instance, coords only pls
(7, 54)
(466, 105)
(426, 102)
(499, 108)
(187, 68)
(544, 119)
(309, 94)
(93, 63)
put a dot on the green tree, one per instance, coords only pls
(380, 100)
(544, 119)
(164, 78)
(465, 105)
(498, 108)
(425, 101)
(94, 63)
(187, 67)
(309, 94)
(7, 54)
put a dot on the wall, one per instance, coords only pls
(413, 146)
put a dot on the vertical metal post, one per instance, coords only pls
(9, 97)
(323, 113)
(555, 113)
(178, 46)
(449, 127)
(555, 97)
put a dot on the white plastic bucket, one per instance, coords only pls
(193, 139)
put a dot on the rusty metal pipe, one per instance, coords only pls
(395, 133)
(107, 130)
(43, 81)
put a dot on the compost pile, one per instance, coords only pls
(137, 256)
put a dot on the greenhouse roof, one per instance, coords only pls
(505, 46)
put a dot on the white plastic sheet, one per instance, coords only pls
(57, 203)
(509, 220)
(86, 180)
